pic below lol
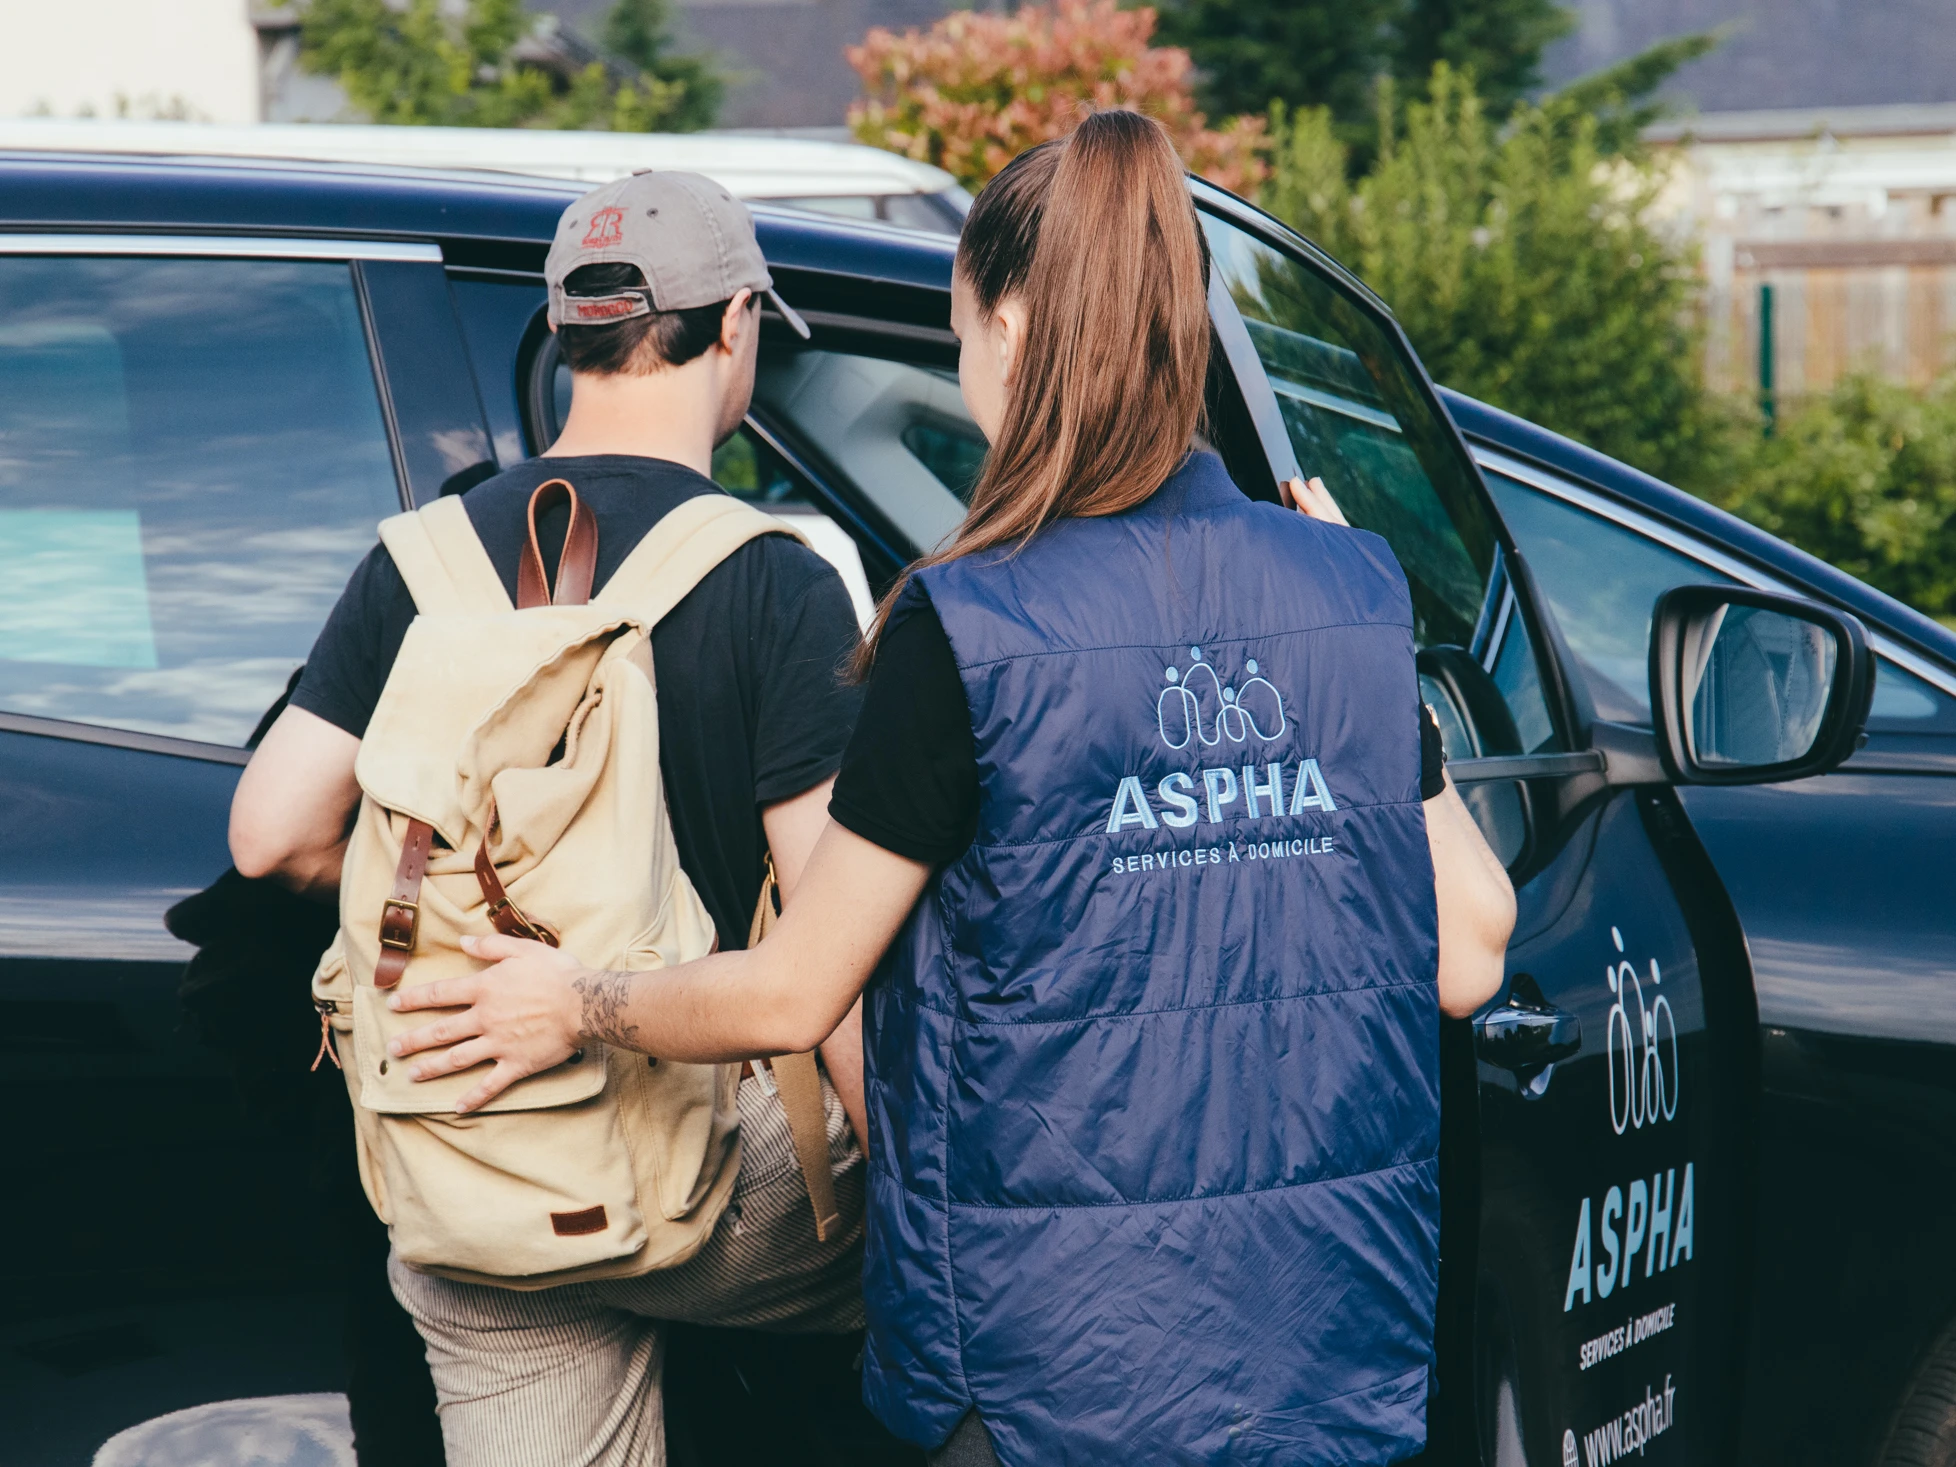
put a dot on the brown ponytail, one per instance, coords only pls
(1097, 235)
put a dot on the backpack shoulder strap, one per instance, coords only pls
(436, 550)
(678, 552)
(798, 1082)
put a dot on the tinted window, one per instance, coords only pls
(932, 213)
(748, 469)
(495, 316)
(192, 459)
(1905, 703)
(1358, 419)
(1602, 581)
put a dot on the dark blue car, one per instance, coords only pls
(1699, 1158)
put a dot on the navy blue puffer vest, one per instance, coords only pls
(1154, 1067)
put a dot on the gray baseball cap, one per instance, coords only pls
(691, 239)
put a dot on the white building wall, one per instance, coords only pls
(141, 58)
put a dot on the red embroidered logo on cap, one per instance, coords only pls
(607, 228)
(604, 310)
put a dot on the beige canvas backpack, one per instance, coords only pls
(510, 782)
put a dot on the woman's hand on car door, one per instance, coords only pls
(1310, 496)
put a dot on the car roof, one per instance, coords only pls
(479, 219)
(753, 166)
(1653, 497)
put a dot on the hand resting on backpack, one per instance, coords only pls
(536, 1004)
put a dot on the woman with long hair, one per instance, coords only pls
(1155, 912)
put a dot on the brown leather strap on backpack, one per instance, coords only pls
(799, 1083)
(504, 915)
(400, 914)
(578, 564)
(576, 567)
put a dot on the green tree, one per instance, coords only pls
(640, 32)
(424, 63)
(1332, 53)
(1299, 52)
(1522, 265)
(1498, 42)
(1863, 476)
(1623, 98)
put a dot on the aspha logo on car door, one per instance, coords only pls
(1642, 1045)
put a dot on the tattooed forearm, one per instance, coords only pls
(602, 997)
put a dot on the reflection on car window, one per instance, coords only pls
(495, 315)
(1905, 703)
(954, 457)
(1358, 419)
(193, 462)
(895, 432)
(932, 213)
(1601, 581)
(1519, 677)
(748, 469)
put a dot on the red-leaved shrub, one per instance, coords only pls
(975, 90)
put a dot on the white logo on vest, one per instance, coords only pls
(1198, 705)
(1201, 709)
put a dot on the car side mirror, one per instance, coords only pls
(1752, 687)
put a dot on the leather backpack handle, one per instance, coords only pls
(576, 567)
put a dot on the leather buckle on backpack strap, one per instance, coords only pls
(512, 921)
(400, 921)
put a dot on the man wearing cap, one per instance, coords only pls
(655, 284)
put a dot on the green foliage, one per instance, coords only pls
(425, 64)
(1299, 52)
(1500, 42)
(1622, 97)
(1521, 264)
(640, 32)
(1864, 477)
(1333, 53)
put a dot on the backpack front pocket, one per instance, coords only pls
(538, 1181)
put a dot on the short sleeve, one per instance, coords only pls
(909, 781)
(355, 651)
(1432, 756)
(804, 707)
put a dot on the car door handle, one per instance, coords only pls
(1527, 1035)
(1524, 1038)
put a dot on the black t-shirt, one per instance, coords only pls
(909, 781)
(752, 705)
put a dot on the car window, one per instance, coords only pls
(1355, 414)
(1602, 581)
(895, 432)
(1358, 418)
(1905, 703)
(496, 316)
(192, 460)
